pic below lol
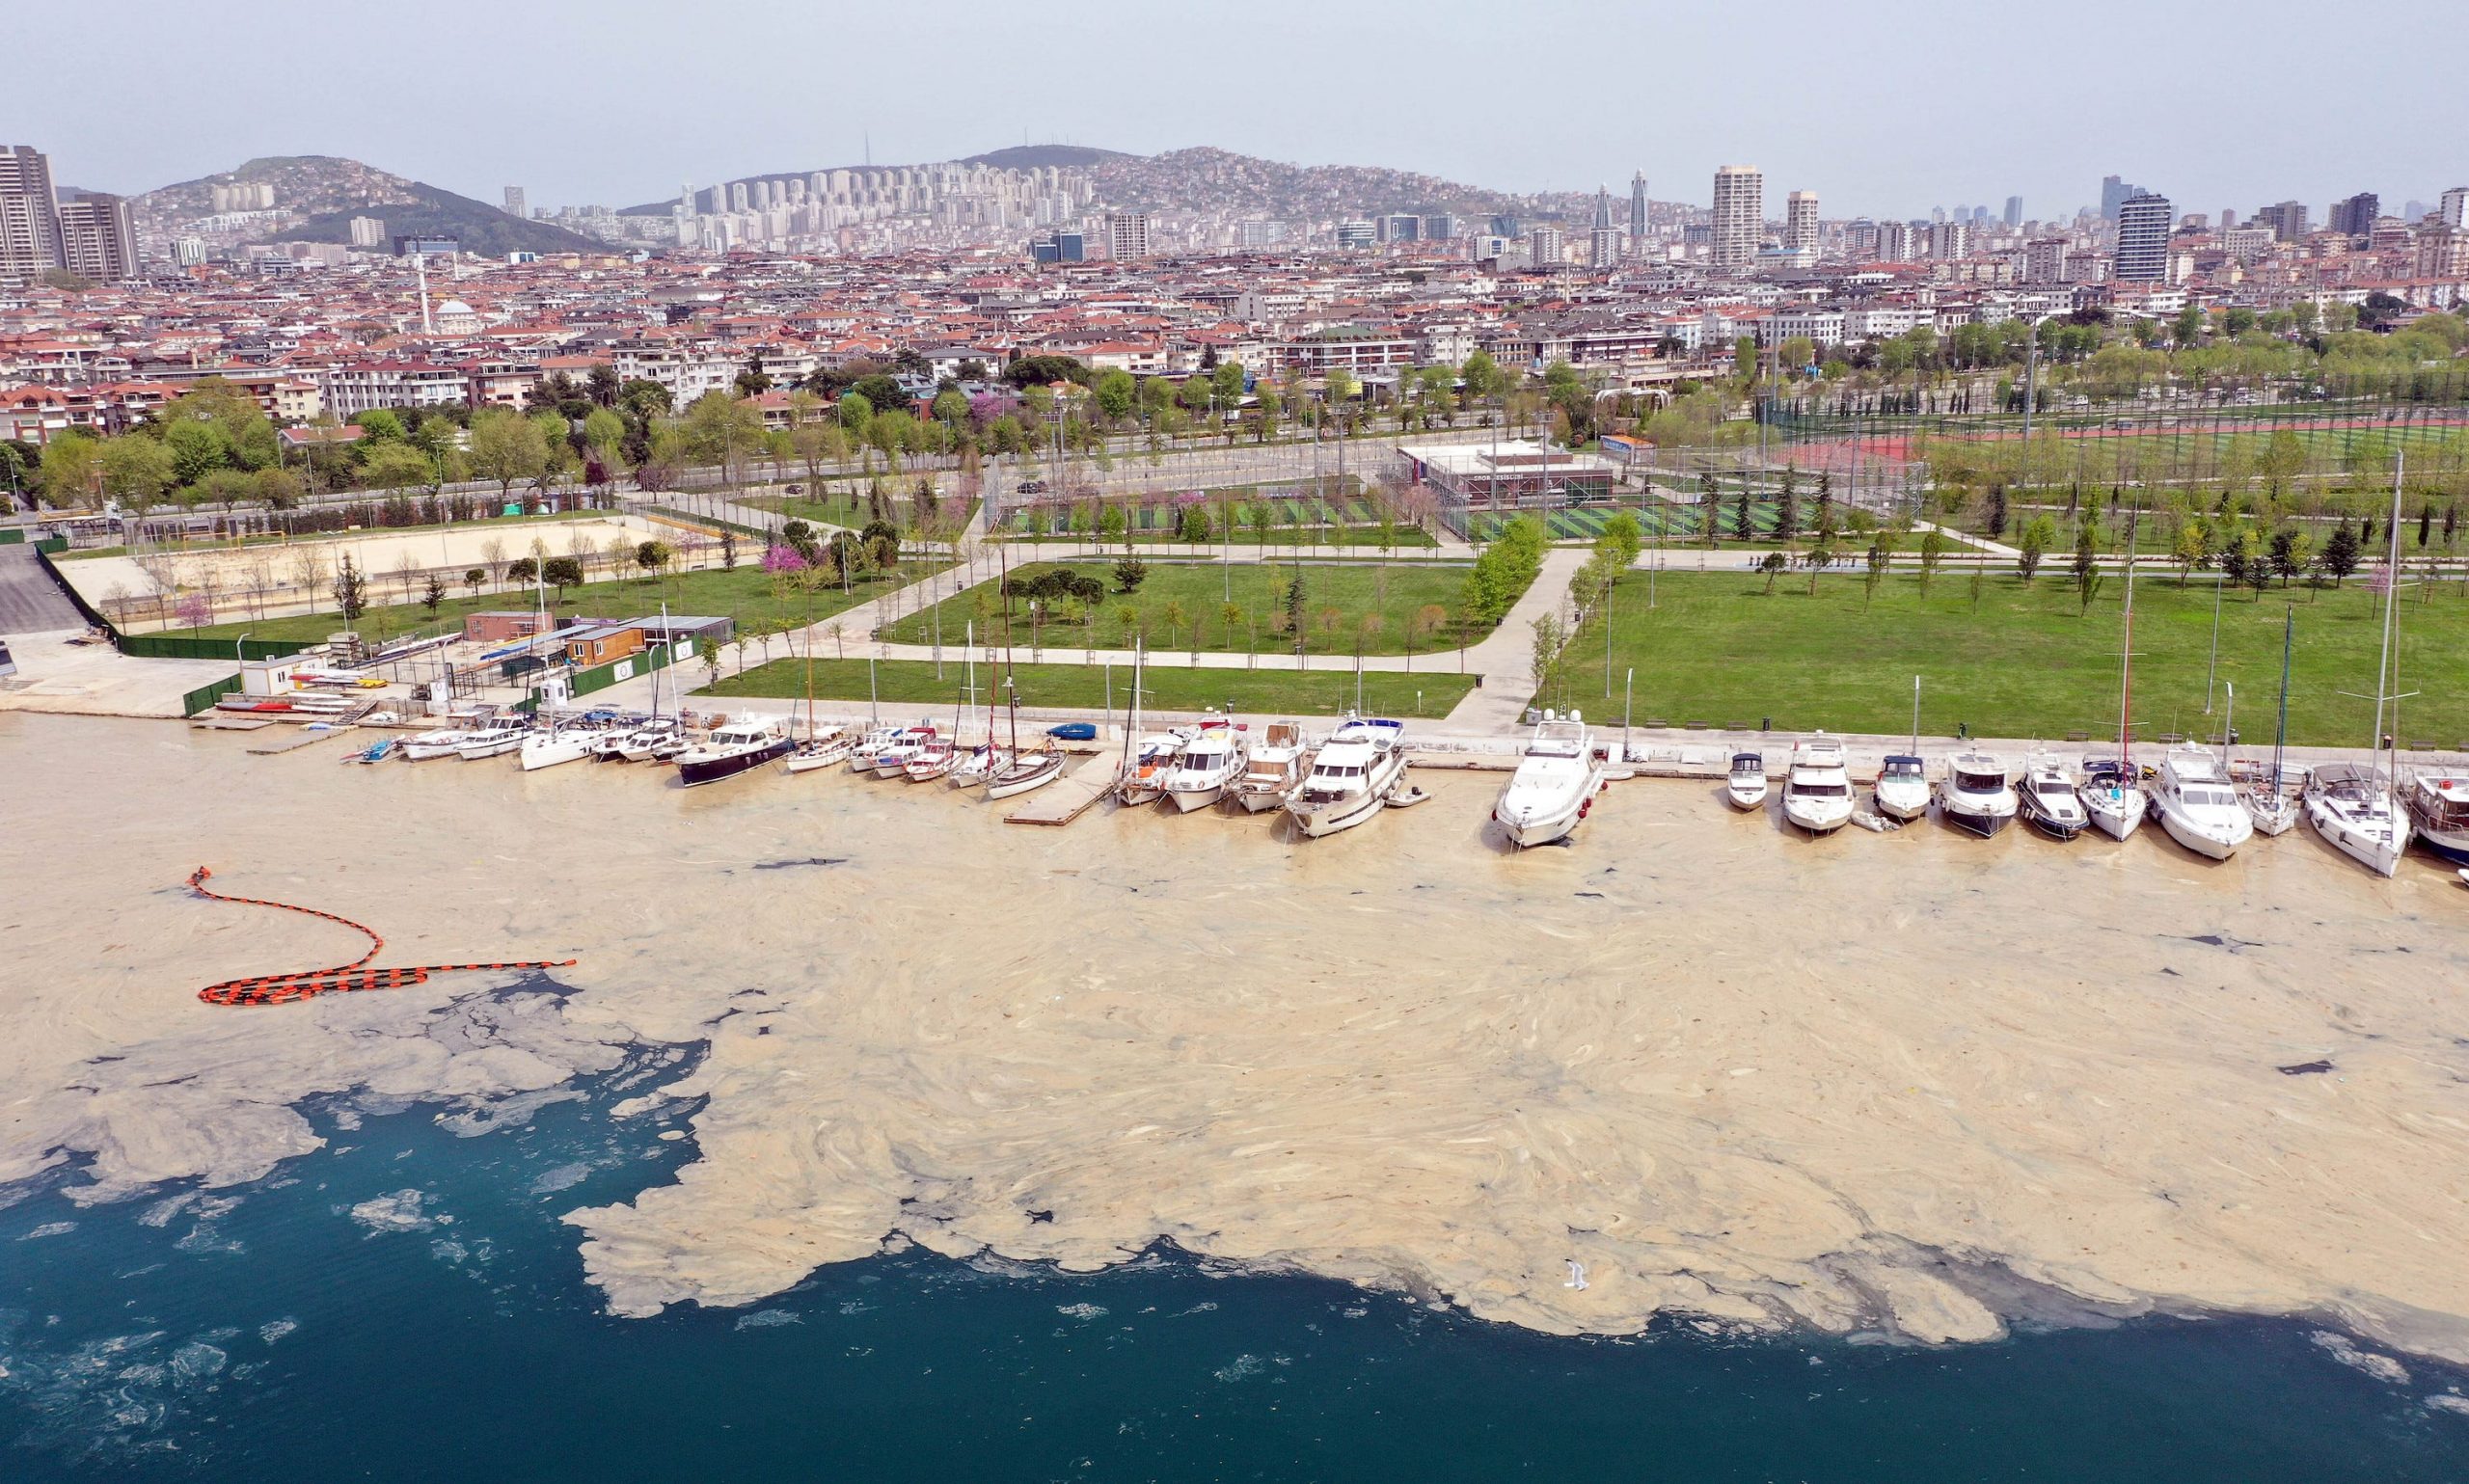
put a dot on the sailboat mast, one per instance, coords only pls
(1003, 583)
(2391, 600)
(2280, 735)
(2126, 662)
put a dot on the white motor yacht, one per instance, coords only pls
(1744, 789)
(653, 741)
(1555, 783)
(738, 748)
(2197, 805)
(1902, 791)
(1976, 795)
(2048, 801)
(494, 741)
(892, 760)
(2438, 805)
(933, 761)
(1208, 766)
(1817, 787)
(870, 746)
(977, 764)
(1273, 769)
(448, 743)
(1351, 777)
(2112, 797)
(1153, 758)
(2350, 805)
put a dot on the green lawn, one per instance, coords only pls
(1365, 538)
(1394, 594)
(1718, 649)
(1168, 687)
(745, 595)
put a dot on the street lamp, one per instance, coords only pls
(237, 658)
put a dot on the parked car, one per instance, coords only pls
(1031, 487)
(1073, 731)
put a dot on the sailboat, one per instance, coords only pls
(1025, 770)
(2350, 805)
(2112, 791)
(819, 749)
(2273, 797)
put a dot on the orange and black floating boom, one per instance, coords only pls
(284, 988)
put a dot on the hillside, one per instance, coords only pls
(316, 197)
(1047, 156)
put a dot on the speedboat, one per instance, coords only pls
(1029, 771)
(493, 741)
(1153, 758)
(730, 750)
(2197, 805)
(654, 742)
(1351, 777)
(547, 749)
(1210, 762)
(821, 750)
(1817, 788)
(1975, 794)
(2438, 805)
(1902, 791)
(2112, 797)
(2047, 799)
(891, 759)
(1273, 771)
(932, 761)
(977, 764)
(420, 747)
(2272, 802)
(1554, 786)
(609, 745)
(2350, 805)
(1747, 788)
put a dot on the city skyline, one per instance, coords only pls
(722, 121)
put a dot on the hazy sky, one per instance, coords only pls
(1882, 109)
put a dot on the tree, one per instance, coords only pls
(1422, 625)
(351, 592)
(1116, 391)
(2342, 553)
(396, 466)
(1772, 566)
(654, 556)
(1787, 507)
(506, 448)
(1130, 573)
(523, 569)
(197, 448)
(1994, 514)
(1933, 551)
(856, 412)
(1741, 529)
(1195, 525)
(1174, 617)
(561, 573)
(136, 469)
(2189, 548)
(2087, 570)
(2032, 545)
(434, 595)
(70, 465)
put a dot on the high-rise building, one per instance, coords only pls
(2355, 216)
(1440, 228)
(2143, 239)
(1357, 232)
(1895, 242)
(1545, 248)
(1739, 216)
(2013, 211)
(1126, 234)
(1603, 239)
(514, 202)
(2287, 220)
(1949, 240)
(1504, 226)
(2115, 193)
(740, 199)
(96, 238)
(2450, 208)
(29, 215)
(1800, 222)
(2045, 260)
(367, 231)
(1637, 214)
(1401, 226)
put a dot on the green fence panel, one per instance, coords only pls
(52, 546)
(600, 677)
(13, 536)
(181, 646)
(205, 696)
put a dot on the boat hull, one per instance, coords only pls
(1187, 799)
(2210, 847)
(2055, 826)
(1984, 822)
(2375, 852)
(1817, 822)
(554, 751)
(1547, 828)
(1000, 787)
(1253, 799)
(1745, 799)
(2448, 846)
(1318, 819)
(704, 771)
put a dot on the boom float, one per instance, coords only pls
(284, 988)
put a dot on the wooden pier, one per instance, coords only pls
(1070, 797)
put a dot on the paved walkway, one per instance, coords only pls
(31, 601)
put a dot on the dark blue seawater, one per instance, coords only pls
(405, 1306)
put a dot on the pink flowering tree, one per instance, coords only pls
(195, 609)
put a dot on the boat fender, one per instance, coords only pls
(1585, 806)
